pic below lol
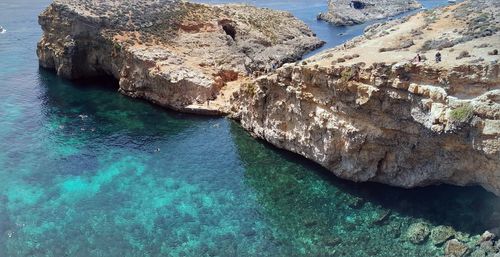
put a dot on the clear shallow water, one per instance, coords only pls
(80, 175)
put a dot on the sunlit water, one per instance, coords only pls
(87, 172)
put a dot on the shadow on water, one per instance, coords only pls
(98, 99)
(468, 209)
(79, 117)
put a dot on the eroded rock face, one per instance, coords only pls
(383, 123)
(350, 12)
(393, 121)
(172, 53)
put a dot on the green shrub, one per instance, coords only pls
(346, 75)
(117, 46)
(462, 114)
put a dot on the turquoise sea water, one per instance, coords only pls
(87, 172)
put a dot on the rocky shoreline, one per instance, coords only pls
(365, 112)
(368, 113)
(348, 12)
(455, 244)
(182, 56)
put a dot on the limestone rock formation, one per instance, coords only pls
(455, 248)
(174, 53)
(367, 112)
(364, 111)
(440, 234)
(350, 12)
(418, 232)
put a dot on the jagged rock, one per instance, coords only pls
(487, 236)
(478, 253)
(463, 237)
(455, 248)
(487, 246)
(441, 234)
(418, 232)
(170, 52)
(350, 12)
(388, 119)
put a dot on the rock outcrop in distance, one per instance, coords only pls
(176, 54)
(367, 112)
(350, 12)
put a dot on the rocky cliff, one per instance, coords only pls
(174, 53)
(349, 12)
(367, 112)
(364, 110)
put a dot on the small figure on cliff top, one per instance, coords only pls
(417, 58)
(438, 57)
(274, 65)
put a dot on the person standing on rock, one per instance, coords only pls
(438, 57)
(417, 59)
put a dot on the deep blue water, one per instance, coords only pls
(81, 175)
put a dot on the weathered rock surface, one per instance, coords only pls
(365, 112)
(455, 248)
(174, 53)
(440, 234)
(350, 12)
(372, 115)
(417, 233)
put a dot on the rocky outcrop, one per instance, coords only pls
(173, 53)
(454, 244)
(349, 12)
(364, 110)
(371, 115)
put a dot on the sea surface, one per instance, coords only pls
(85, 171)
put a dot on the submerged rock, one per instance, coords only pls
(332, 241)
(455, 248)
(418, 232)
(382, 217)
(487, 236)
(441, 234)
(478, 253)
(349, 12)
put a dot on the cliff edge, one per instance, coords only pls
(372, 110)
(176, 54)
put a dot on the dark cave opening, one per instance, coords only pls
(357, 5)
(230, 30)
